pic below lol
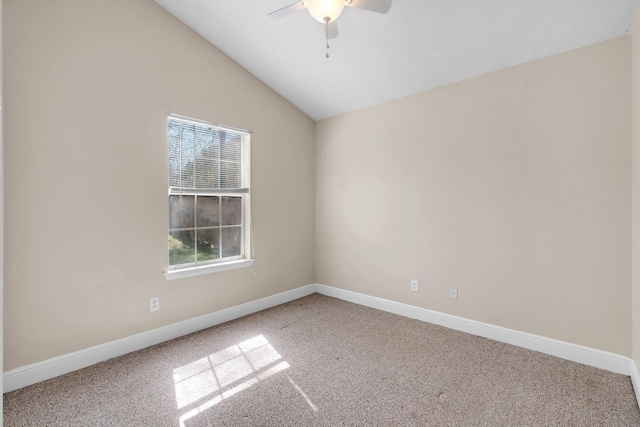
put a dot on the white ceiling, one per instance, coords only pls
(418, 45)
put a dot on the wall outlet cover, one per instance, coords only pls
(415, 286)
(154, 304)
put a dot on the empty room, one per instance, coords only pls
(321, 212)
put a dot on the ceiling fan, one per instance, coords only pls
(327, 11)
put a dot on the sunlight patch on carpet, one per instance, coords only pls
(303, 394)
(225, 373)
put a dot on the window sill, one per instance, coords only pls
(206, 269)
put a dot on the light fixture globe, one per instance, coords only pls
(323, 9)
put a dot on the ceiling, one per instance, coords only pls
(418, 45)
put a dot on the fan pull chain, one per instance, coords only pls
(326, 22)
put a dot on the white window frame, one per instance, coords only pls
(210, 266)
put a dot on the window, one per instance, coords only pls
(208, 195)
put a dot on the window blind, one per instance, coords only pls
(206, 157)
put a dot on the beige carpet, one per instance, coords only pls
(319, 361)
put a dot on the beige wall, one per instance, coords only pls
(513, 186)
(88, 84)
(635, 54)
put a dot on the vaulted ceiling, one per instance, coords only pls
(418, 45)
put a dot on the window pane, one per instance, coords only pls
(175, 167)
(181, 209)
(230, 161)
(181, 248)
(231, 210)
(230, 146)
(208, 244)
(208, 211)
(207, 151)
(231, 241)
(188, 155)
(230, 174)
(206, 173)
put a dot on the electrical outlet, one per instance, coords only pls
(415, 286)
(453, 292)
(154, 304)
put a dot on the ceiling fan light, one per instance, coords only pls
(323, 9)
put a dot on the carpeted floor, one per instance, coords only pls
(319, 361)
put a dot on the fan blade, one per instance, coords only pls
(378, 6)
(331, 31)
(288, 10)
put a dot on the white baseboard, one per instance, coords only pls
(31, 374)
(635, 380)
(564, 350)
